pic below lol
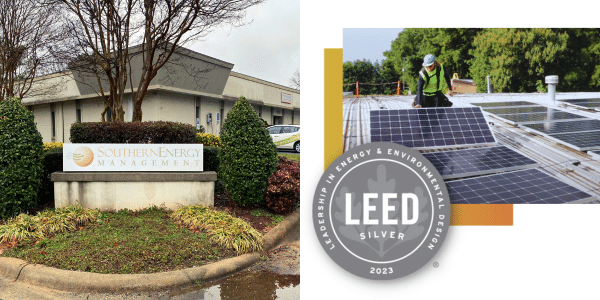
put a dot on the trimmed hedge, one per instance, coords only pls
(20, 158)
(133, 133)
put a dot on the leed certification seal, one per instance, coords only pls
(381, 211)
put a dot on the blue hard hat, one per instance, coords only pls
(428, 60)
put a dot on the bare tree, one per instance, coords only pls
(295, 80)
(100, 33)
(97, 45)
(27, 28)
(168, 24)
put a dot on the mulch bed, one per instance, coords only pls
(260, 223)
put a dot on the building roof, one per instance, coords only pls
(577, 168)
(211, 81)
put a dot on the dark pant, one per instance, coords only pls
(437, 100)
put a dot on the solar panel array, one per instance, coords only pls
(593, 100)
(581, 141)
(584, 103)
(515, 110)
(530, 118)
(524, 186)
(431, 127)
(505, 104)
(478, 161)
(565, 127)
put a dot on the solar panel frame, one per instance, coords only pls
(505, 104)
(478, 161)
(523, 186)
(421, 128)
(510, 118)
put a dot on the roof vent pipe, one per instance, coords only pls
(490, 88)
(552, 81)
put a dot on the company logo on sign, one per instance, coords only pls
(381, 211)
(83, 156)
(133, 157)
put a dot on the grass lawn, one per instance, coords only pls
(294, 157)
(147, 241)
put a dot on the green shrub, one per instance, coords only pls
(211, 159)
(247, 154)
(52, 162)
(208, 139)
(211, 163)
(133, 133)
(20, 158)
(265, 123)
(283, 191)
(52, 147)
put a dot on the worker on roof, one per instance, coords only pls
(429, 91)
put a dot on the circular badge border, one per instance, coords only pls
(433, 211)
(408, 262)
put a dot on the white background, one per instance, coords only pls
(551, 252)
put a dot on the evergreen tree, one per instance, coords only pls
(248, 156)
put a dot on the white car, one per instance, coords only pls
(286, 136)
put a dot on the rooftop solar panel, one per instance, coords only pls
(587, 105)
(554, 116)
(515, 110)
(565, 127)
(478, 161)
(524, 186)
(431, 127)
(582, 141)
(592, 100)
(505, 104)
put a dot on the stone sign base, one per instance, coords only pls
(112, 191)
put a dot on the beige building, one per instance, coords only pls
(204, 98)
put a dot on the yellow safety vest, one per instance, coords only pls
(431, 80)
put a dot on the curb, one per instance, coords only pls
(82, 282)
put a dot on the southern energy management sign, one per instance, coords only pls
(133, 157)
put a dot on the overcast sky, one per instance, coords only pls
(268, 48)
(368, 43)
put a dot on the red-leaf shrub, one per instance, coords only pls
(283, 190)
